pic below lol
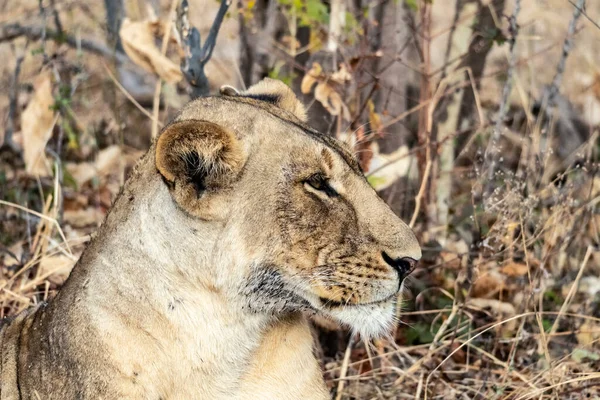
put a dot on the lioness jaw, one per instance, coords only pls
(239, 222)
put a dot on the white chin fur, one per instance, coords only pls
(371, 321)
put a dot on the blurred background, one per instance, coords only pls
(476, 120)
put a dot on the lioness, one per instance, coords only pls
(238, 221)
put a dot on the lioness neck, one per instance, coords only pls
(186, 331)
(183, 319)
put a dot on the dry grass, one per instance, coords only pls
(507, 298)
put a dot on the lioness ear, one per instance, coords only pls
(197, 159)
(272, 91)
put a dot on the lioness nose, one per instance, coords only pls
(402, 265)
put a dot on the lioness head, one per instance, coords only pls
(299, 227)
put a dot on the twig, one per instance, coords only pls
(129, 96)
(491, 154)
(196, 55)
(567, 45)
(42, 216)
(57, 22)
(585, 15)
(419, 196)
(572, 291)
(344, 370)
(12, 100)
(13, 31)
(163, 49)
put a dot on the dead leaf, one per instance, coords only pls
(13, 255)
(488, 284)
(342, 75)
(57, 268)
(82, 218)
(502, 309)
(450, 259)
(588, 334)
(37, 122)
(104, 165)
(81, 172)
(514, 269)
(374, 119)
(138, 42)
(331, 100)
(290, 42)
(310, 78)
(107, 159)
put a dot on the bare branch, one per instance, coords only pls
(196, 55)
(585, 14)
(13, 31)
(567, 46)
(491, 154)
(12, 106)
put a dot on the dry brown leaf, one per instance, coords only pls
(310, 78)
(82, 218)
(450, 259)
(104, 165)
(374, 119)
(138, 42)
(331, 100)
(514, 269)
(290, 42)
(488, 284)
(13, 256)
(37, 121)
(107, 159)
(589, 332)
(502, 309)
(56, 268)
(342, 75)
(81, 172)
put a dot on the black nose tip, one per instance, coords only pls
(403, 266)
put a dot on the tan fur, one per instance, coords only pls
(238, 223)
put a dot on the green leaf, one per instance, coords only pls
(316, 11)
(375, 180)
(547, 325)
(412, 4)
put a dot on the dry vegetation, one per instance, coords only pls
(470, 128)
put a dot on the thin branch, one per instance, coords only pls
(585, 15)
(567, 46)
(12, 104)
(196, 55)
(57, 22)
(163, 50)
(491, 154)
(13, 31)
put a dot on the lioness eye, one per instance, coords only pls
(319, 182)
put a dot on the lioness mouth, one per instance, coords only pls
(337, 304)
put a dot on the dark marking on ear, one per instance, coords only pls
(196, 172)
(267, 98)
(170, 184)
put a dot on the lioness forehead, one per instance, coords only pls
(237, 106)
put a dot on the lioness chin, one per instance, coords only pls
(238, 222)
